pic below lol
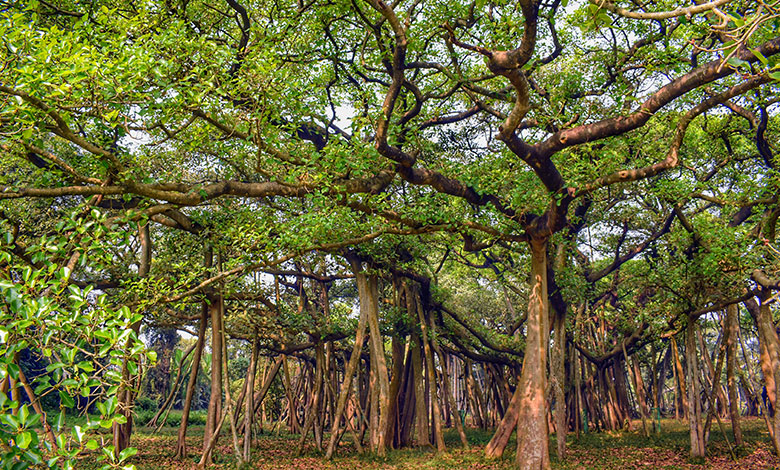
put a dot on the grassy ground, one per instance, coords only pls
(620, 450)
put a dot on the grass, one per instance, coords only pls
(602, 451)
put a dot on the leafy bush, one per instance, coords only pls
(43, 313)
(145, 404)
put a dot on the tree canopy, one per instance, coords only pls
(493, 171)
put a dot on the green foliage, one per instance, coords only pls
(85, 341)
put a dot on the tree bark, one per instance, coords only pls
(313, 412)
(215, 399)
(434, 396)
(249, 411)
(682, 400)
(732, 325)
(346, 386)
(453, 407)
(421, 410)
(181, 444)
(698, 447)
(477, 398)
(770, 360)
(559, 383)
(37, 408)
(393, 418)
(371, 295)
(267, 381)
(639, 388)
(292, 404)
(532, 436)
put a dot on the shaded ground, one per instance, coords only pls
(621, 450)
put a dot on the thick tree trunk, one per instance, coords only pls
(698, 447)
(532, 437)
(373, 405)
(621, 391)
(659, 378)
(732, 325)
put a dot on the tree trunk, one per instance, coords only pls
(346, 386)
(639, 388)
(698, 448)
(172, 393)
(770, 360)
(28, 390)
(215, 399)
(181, 444)
(434, 396)
(407, 401)
(421, 410)
(267, 381)
(559, 383)
(495, 448)
(453, 407)
(532, 437)
(393, 421)
(292, 404)
(371, 296)
(682, 400)
(732, 325)
(313, 412)
(249, 411)
(719, 405)
(476, 397)
(126, 394)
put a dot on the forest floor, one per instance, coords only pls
(608, 450)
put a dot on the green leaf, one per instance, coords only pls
(24, 439)
(760, 56)
(91, 444)
(127, 453)
(736, 62)
(66, 400)
(78, 433)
